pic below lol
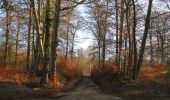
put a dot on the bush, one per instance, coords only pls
(109, 72)
(13, 75)
(70, 70)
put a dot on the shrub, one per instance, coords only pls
(13, 74)
(70, 70)
(109, 72)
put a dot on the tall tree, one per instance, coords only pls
(39, 50)
(17, 40)
(47, 55)
(121, 32)
(8, 22)
(104, 34)
(134, 40)
(29, 38)
(142, 48)
(54, 42)
(117, 30)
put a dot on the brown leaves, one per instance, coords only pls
(13, 75)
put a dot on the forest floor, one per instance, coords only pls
(153, 83)
(86, 90)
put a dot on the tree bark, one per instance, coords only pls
(72, 50)
(37, 27)
(67, 42)
(117, 31)
(142, 48)
(104, 37)
(29, 38)
(16, 44)
(134, 42)
(121, 32)
(46, 61)
(151, 49)
(54, 66)
(8, 22)
(130, 38)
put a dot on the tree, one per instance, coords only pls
(134, 40)
(121, 32)
(8, 22)
(29, 38)
(142, 48)
(117, 30)
(47, 54)
(17, 41)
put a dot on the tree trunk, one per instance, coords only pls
(162, 47)
(99, 43)
(46, 61)
(16, 46)
(29, 39)
(67, 44)
(142, 48)
(130, 39)
(55, 42)
(134, 42)
(121, 32)
(117, 30)
(104, 37)
(33, 47)
(8, 22)
(72, 50)
(151, 50)
(37, 28)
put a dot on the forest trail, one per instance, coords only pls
(88, 90)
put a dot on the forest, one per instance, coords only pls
(85, 49)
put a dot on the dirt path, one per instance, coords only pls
(87, 90)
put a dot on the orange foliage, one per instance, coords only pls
(154, 69)
(57, 84)
(13, 74)
(108, 69)
(70, 69)
(151, 73)
(160, 68)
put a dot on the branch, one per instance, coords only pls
(166, 4)
(159, 15)
(71, 7)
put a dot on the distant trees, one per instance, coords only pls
(99, 27)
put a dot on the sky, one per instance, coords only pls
(83, 37)
(83, 41)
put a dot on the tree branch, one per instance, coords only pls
(71, 7)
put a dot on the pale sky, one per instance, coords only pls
(84, 38)
(83, 42)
